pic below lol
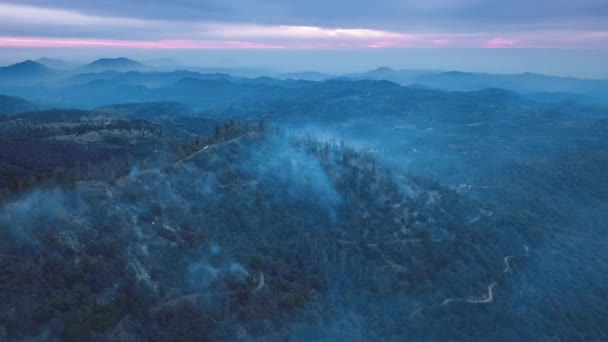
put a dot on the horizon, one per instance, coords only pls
(562, 64)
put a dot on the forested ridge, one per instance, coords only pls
(249, 232)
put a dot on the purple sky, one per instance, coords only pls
(312, 25)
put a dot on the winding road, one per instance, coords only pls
(485, 214)
(508, 265)
(486, 298)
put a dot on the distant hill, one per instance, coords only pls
(282, 95)
(468, 81)
(11, 105)
(27, 67)
(149, 79)
(24, 73)
(525, 82)
(118, 64)
(404, 77)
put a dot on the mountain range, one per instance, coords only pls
(124, 71)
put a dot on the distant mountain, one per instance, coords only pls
(235, 72)
(467, 81)
(89, 77)
(26, 72)
(148, 79)
(11, 105)
(525, 82)
(287, 93)
(117, 64)
(58, 64)
(404, 77)
(26, 68)
(382, 71)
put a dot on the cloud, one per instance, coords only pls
(39, 16)
(281, 40)
(500, 43)
(44, 42)
(303, 32)
(389, 15)
(451, 24)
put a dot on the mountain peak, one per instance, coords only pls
(25, 68)
(115, 63)
(115, 60)
(28, 64)
(383, 69)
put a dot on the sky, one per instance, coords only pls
(565, 37)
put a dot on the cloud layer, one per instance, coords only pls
(273, 24)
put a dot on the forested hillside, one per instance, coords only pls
(194, 240)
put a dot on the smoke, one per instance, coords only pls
(33, 215)
(301, 174)
(213, 267)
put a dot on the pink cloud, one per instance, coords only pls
(383, 44)
(441, 42)
(47, 42)
(500, 43)
(43, 42)
(577, 40)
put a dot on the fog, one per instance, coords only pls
(560, 62)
